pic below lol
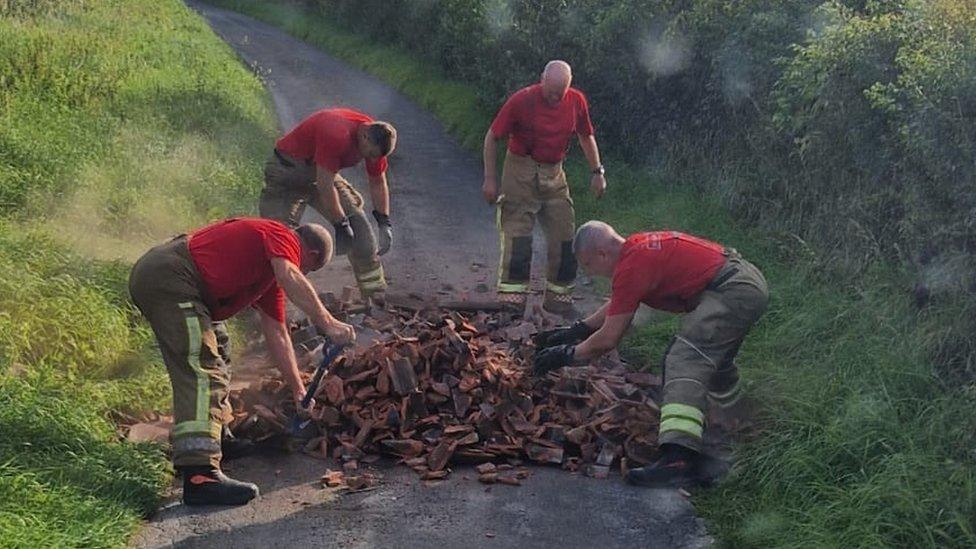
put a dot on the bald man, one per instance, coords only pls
(722, 296)
(539, 121)
(185, 286)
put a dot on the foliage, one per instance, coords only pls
(120, 123)
(846, 123)
(860, 443)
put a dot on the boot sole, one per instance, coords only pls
(235, 503)
(682, 481)
(197, 502)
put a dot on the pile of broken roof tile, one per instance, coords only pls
(446, 387)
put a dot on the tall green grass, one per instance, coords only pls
(121, 123)
(860, 442)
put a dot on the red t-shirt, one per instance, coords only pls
(665, 270)
(538, 130)
(329, 138)
(234, 259)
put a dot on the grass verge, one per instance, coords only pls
(860, 442)
(121, 123)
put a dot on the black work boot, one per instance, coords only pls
(677, 466)
(206, 485)
(232, 447)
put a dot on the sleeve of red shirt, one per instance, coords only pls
(505, 119)
(376, 166)
(279, 241)
(584, 126)
(628, 289)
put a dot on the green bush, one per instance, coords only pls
(859, 443)
(815, 96)
(846, 124)
(881, 108)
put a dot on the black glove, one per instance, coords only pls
(343, 236)
(553, 358)
(574, 334)
(385, 231)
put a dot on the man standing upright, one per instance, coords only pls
(304, 169)
(539, 121)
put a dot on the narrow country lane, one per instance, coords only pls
(445, 241)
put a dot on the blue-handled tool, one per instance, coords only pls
(329, 354)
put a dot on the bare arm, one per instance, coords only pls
(605, 339)
(379, 193)
(300, 291)
(490, 187)
(598, 183)
(590, 150)
(596, 319)
(279, 346)
(490, 155)
(325, 183)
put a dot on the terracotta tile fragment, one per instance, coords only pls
(488, 478)
(544, 454)
(440, 455)
(406, 448)
(486, 468)
(510, 480)
(597, 471)
(331, 478)
(402, 377)
(442, 386)
(434, 475)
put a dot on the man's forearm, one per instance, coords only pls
(595, 346)
(605, 339)
(490, 154)
(281, 351)
(595, 320)
(379, 193)
(329, 196)
(300, 291)
(590, 150)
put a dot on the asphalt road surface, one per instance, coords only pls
(445, 242)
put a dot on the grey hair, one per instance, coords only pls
(591, 234)
(316, 237)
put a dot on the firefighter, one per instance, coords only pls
(304, 170)
(721, 295)
(184, 287)
(539, 121)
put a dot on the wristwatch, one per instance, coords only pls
(599, 170)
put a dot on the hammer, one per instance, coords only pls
(299, 426)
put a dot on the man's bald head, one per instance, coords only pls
(558, 70)
(316, 246)
(597, 247)
(556, 78)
